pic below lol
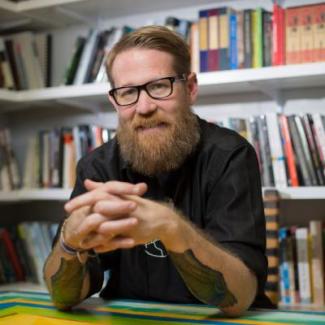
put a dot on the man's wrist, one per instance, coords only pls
(175, 234)
(71, 251)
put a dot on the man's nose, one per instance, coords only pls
(145, 104)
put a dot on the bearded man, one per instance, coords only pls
(172, 206)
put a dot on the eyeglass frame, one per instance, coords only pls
(172, 80)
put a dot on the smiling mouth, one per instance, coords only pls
(152, 127)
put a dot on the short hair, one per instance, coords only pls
(156, 38)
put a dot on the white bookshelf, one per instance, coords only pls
(267, 79)
(23, 286)
(35, 195)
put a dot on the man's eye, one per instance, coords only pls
(127, 92)
(158, 86)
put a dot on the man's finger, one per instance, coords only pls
(116, 187)
(88, 198)
(92, 185)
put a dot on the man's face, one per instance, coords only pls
(155, 135)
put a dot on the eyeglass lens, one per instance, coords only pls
(155, 89)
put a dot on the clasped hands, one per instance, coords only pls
(114, 215)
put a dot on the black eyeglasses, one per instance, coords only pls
(156, 89)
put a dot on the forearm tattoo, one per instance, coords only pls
(205, 284)
(67, 283)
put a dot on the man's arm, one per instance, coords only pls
(68, 278)
(213, 275)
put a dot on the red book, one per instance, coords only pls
(278, 55)
(12, 254)
(288, 149)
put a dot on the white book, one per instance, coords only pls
(5, 67)
(303, 258)
(31, 164)
(320, 135)
(32, 67)
(85, 58)
(277, 155)
(317, 262)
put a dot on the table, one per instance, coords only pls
(33, 308)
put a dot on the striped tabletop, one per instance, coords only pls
(30, 308)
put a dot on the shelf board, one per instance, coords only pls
(291, 193)
(94, 96)
(266, 79)
(35, 195)
(45, 14)
(302, 192)
(23, 286)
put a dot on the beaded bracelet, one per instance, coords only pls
(74, 251)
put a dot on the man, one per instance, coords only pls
(172, 206)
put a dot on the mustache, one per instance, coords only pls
(148, 122)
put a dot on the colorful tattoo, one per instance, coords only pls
(67, 283)
(206, 284)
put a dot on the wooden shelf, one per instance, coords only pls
(94, 96)
(35, 195)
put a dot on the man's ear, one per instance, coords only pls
(192, 87)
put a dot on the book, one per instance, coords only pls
(318, 32)
(303, 257)
(289, 153)
(307, 34)
(293, 35)
(278, 36)
(203, 39)
(12, 254)
(257, 38)
(276, 150)
(267, 38)
(240, 39)
(213, 40)
(317, 260)
(224, 39)
(247, 38)
(8, 80)
(86, 57)
(271, 200)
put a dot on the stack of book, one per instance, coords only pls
(52, 155)
(24, 249)
(253, 38)
(290, 149)
(301, 264)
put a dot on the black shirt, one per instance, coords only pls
(218, 188)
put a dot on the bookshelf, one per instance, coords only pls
(278, 78)
(36, 195)
(287, 89)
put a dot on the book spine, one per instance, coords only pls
(233, 50)
(213, 35)
(317, 260)
(288, 149)
(203, 40)
(303, 265)
(247, 38)
(271, 201)
(224, 38)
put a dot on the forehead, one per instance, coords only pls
(137, 66)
